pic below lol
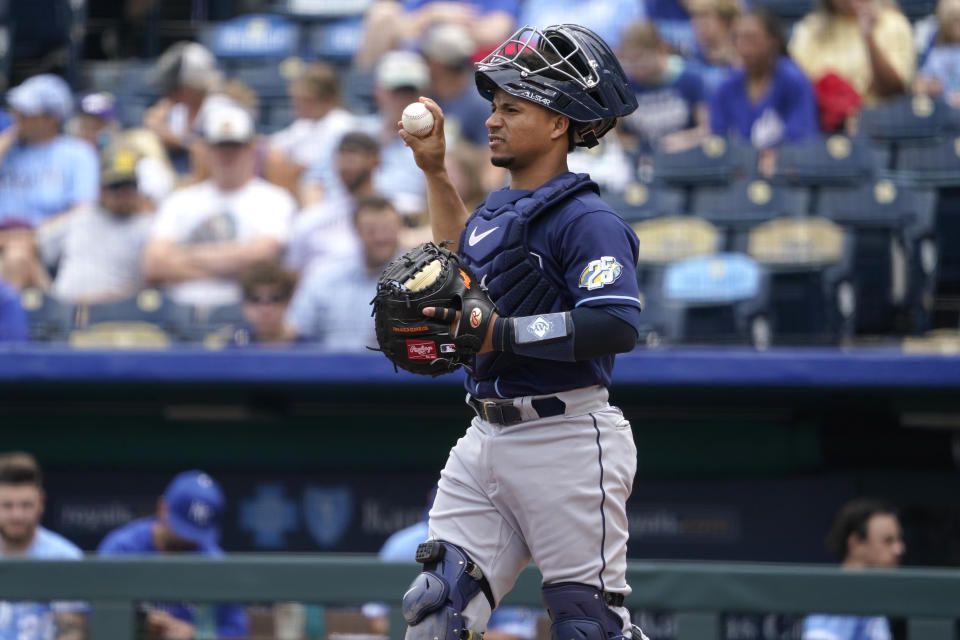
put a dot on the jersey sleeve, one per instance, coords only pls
(599, 260)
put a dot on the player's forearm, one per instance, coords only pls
(448, 214)
(582, 334)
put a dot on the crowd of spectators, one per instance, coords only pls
(196, 197)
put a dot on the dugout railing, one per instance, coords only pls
(929, 599)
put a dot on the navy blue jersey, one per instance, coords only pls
(587, 251)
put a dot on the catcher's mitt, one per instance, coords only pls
(430, 276)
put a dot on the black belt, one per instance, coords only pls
(504, 413)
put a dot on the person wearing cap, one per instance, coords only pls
(187, 521)
(311, 138)
(401, 77)
(98, 248)
(184, 74)
(42, 173)
(207, 234)
(96, 120)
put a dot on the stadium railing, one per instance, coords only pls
(698, 592)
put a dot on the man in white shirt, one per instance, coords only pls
(207, 234)
(99, 248)
(325, 311)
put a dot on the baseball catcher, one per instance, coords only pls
(430, 276)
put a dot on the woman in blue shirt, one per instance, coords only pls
(769, 100)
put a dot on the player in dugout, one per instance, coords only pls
(546, 467)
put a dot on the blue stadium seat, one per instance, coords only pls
(337, 41)
(812, 287)
(835, 160)
(252, 37)
(933, 164)
(668, 239)
(895, 254)
(910, 118)
(49, 318)
(714, 161)
(747, 202)
(639, 201)
(718, 298)
(148, 307)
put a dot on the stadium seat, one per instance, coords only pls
(337, 41)
(910, 118)
(748, 202)
(895, 250)
(936, 164)
(639, 201)
(668, 239)
(917, 9)
(790, 10)
(835, 160)
(718, 298)
(49, 318)
(714, 161)
(148, 307)
(812, 289)
(252, 37)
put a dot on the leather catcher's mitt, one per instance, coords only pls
(430, 276)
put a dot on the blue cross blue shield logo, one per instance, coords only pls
(327, 512)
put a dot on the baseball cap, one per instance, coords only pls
(449, 44)
(118, 165)
(100, 104)
(400, 69)
(42, 94)
(194, 505)
(226, 123)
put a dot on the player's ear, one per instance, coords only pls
(560, 126)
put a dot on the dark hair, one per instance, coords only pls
(268, 273)
(358, 141)
(373, 203)
(20, 468)
(852, 519)
(771, 23)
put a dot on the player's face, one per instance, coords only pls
(883, 546)
(519, 131)
(21, 507)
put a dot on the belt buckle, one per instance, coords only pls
(488, 406)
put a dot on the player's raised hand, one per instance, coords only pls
(428, 151)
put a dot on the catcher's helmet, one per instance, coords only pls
(565, 68)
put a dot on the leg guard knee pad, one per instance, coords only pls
(434, 603)
(580, 612)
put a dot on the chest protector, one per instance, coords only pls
(514, 278)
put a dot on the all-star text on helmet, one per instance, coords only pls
(565, 68)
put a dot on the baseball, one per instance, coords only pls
(417, 120)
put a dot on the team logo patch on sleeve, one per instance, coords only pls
(600, 272)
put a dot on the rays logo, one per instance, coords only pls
(540, 327)
(600, 272)
(529, 95)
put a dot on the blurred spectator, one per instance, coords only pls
(95, 120)
(325, 311)
(21, 509)
(42, 173)
(940, 74)
(671, 111)
(865, 535)
(267, 290)
(447, 51)
(187, 521)
(401, 77)
(604, 17)
(389, 24)
(14, 324)
(770, 101)
(867, 45)
(236, 93)
(326, 228)
(320, 123)
(98, 249)
(185, 73)
(716, 53)
(207, 234)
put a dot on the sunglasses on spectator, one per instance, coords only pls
(274, 299)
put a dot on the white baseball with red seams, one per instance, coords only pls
(417, 119)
